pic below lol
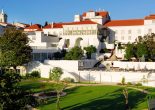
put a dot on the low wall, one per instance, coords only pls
(132, 65)
(70, 69)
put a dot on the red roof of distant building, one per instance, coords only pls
(100, 13)
(132, 22)
(39, 30)
(152, 16)
(35, 26)
(60, 25)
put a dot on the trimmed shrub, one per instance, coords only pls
(129, 83)
(138, 84)
(33, 74)
(68, 79)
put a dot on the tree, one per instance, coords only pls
(14, 48)
(76, 53)
(89, 50)
(129, 51)
(141, 49)
(55, 75)
(11, 96)
(149, 40)
(125, 93)
(14, 51)
(46, 23)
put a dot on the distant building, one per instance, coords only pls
(3, 17)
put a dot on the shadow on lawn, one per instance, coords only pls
(111, 101)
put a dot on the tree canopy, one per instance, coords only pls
(76, 53)
(144, 46)
(89, 50)
(14, 48)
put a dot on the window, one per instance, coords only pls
(129, 31)
(129, 37)
(122, 38)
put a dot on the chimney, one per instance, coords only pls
(52, 25)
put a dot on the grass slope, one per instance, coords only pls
(98, 98)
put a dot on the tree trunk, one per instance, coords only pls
(58, 101)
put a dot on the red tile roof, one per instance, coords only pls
(131, 22)
(100, 13)
(39, 30)
(152, 16)
(35, 26)
(60, 25)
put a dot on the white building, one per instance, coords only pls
(125, 31)
(89, 28)
(3, 17)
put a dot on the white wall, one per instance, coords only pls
(70, 69)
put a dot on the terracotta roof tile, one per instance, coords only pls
(100, 13)
(131, 22)
(60, 25)
(35, 26)
(152, 16)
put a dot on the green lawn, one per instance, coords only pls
(98, 98)
(90, 97)
(36, 85)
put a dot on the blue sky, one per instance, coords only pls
(39, 11)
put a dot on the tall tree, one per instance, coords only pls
(14, 48)
(141, 49)
(129, 51)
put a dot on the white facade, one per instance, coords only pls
(70, 69)
(3, 17)
(87, 28)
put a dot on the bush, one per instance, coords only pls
(33, 74)
(129, 83)
(68, 79)
(138, 84)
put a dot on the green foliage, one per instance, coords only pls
(68, 80)
(56, 73)
(129, 83)
(138, 84)
(145, 46)
(14, 49)
(59, 55)
(141, 49)
(11, 96)
(76, 53)
(129, 51)
(120, 46)
(123, 81)
(89, 50)
(33, 74)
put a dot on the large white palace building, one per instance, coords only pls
(88, 29)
